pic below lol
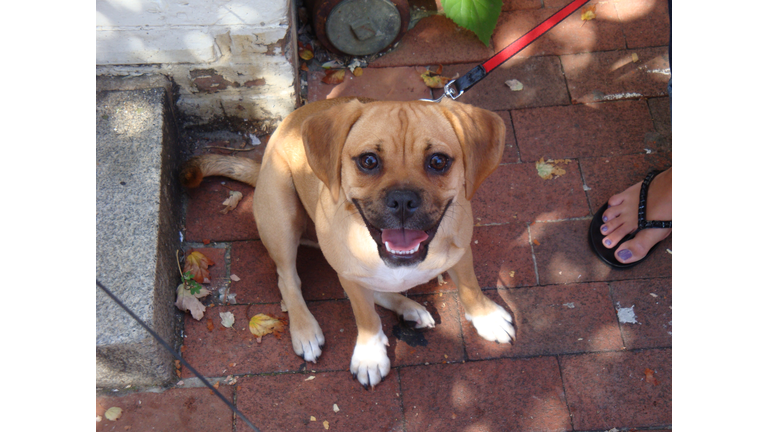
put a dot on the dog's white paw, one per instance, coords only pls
(307, 340)
(496, 326)
(419, 314)
(369, 361)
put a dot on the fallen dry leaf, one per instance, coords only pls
(186, 301)
(234, 277)
(333, 64)
(588, 13)
(231, 202)
(306, 52)
(433, 80)
(335, 408)
(197, 264)
(311, 377)
(113, 413)
(263, 324)
(650, 378)
(358, 72)
(334, 76)
(227, 319)
(326, 425)
(548, 171)
(312, 418)
(209, 324)
(635, 58)
(514, 85)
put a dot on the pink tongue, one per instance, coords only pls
(403, 240)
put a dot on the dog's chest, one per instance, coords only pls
(398, 279)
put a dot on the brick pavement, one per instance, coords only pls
(576, 366)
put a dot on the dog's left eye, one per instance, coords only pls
(439, 162)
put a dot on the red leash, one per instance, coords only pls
(457, 87)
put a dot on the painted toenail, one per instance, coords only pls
(625, 254)
(607, 242)
(604, 228)
(605, 218)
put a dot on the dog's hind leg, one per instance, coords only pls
(281, 219)
(491, 321)
(405, 307)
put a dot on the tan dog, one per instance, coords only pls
(387, 185)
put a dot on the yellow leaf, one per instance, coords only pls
(326, 425)
(306, 52)
(114, 413)
(588, 13)
(434, 81)
(547, 171)
(358, 72)
(263, 324)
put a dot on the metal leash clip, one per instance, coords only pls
(449, 90)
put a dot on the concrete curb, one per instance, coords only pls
(138, 224)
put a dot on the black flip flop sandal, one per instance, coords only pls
(596, 237)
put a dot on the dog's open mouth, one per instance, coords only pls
(401, 246)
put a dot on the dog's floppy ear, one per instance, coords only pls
(482, 136)
(324, 135)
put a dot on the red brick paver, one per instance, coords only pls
(594, 345)
(485, 396)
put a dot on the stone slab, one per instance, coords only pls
(138, 216)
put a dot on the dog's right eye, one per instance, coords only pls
(368, 162)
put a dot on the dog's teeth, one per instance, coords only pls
(412, 251)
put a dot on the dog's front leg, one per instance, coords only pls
(491, 321)
(405, 307)
(369, 360)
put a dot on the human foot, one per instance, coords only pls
(620, 219)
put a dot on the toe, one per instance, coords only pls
(611, 213)
(637, 248)
(618, 231)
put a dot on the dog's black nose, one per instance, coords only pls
(403, 203)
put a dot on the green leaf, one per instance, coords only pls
(479, 16)
(194, 287)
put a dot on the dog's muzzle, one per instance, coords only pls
(402, 242)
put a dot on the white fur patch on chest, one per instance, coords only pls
(397, 279)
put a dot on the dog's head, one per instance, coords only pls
(402, 165)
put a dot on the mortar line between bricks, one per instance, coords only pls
(565, 393)
(585, 186)
(565, 80)
(196, 384)
(234, 415)
(615, 313)
(400, 398)
(533, 253)
(514, 135)
(622, 26)
(630, 428)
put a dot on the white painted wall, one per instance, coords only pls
(228, 57)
